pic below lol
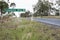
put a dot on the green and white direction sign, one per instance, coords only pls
(15, 10)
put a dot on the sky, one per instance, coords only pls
(54, 1)
(25, 4)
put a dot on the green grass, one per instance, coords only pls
(27, 30)
(56, 17)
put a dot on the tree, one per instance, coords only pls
(44, 8)
(26, 14)
(22, 14)
(3, 6)
(58, 2)
(12, 5)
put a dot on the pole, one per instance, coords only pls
(1, 13)
(59, 11)
(32, 18)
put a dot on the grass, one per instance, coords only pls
(56, 17)
(27, 30)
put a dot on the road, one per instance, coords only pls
(48, 21)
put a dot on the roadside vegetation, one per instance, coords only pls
(55, 17)
(22, 29)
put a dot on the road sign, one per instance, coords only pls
(15, 10)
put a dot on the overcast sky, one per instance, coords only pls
(27, 4)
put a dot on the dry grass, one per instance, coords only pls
(57, 17)
(27, 30)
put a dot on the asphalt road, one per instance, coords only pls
(48, 21)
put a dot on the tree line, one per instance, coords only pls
(45, 7)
